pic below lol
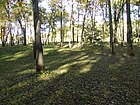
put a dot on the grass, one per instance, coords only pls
(86, 76)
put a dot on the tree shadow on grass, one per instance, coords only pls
(80, 77)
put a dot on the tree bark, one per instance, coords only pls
(78, 24)
(122, 28)
(138, 24)
(103, 29)
(111, 28)
(2, 36)
(23, 29)
(83, 26)
(38, 44)
(61, 30)
(116, 19)
(129, 30)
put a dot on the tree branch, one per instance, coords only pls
(118, 16)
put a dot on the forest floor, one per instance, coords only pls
(87, 76)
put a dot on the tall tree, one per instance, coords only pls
(61, 30)
(38, 44)
(104, 24)
(129, 30)
(111, 28)
(118, 7)
(84, 19)
(93, 16)
(9, 17)
(20, 17)
(78, 13)
(3, 19)
(122, 28)
(72, 21)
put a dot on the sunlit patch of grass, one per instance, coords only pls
(25, 71)
(85, 69)
(17, 56)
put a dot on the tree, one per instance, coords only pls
(21, 10)
(84, 18)
(103, 25)
(78, 15)
(93, 16)
(38, 44)
(72, 21)
(118, 7)
(129, 30)
(61, 30)
(111, 28)
(3, 19)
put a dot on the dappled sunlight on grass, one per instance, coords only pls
(17, 56)
(25, 71)
(72, 77)
(46, 51)
(86, 68)
(84, 57)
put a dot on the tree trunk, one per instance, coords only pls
(72, 12)
(23, 29)
(111, 28)
(2, 36)
(122, 28)
(38, 44)
(83, 26)
(72, 22)
(61, 30)
(138, 24)
(48, 41)
(11, 37)
(116, 19)
(103, 29)
(129, 30)
(73, 32)
(78, 23)
(115, 23)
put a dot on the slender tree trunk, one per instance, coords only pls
(54, 30)
(129, 30)
(23, 29)
(7, 8)
(116, 18)
(61, 30)
(11, 37)
(94, 23)
(38, 44)
(72, 22)
(52, 37)
(83, 26)
(138, 24)
(52, 22)
(48, 41)
(115, 22)
(78, 23)
(92, 27)
(103, 29)
(111, 28)
(122, 28)
(2, 36)
(73, 32)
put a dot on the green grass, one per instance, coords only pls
(86, 76)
